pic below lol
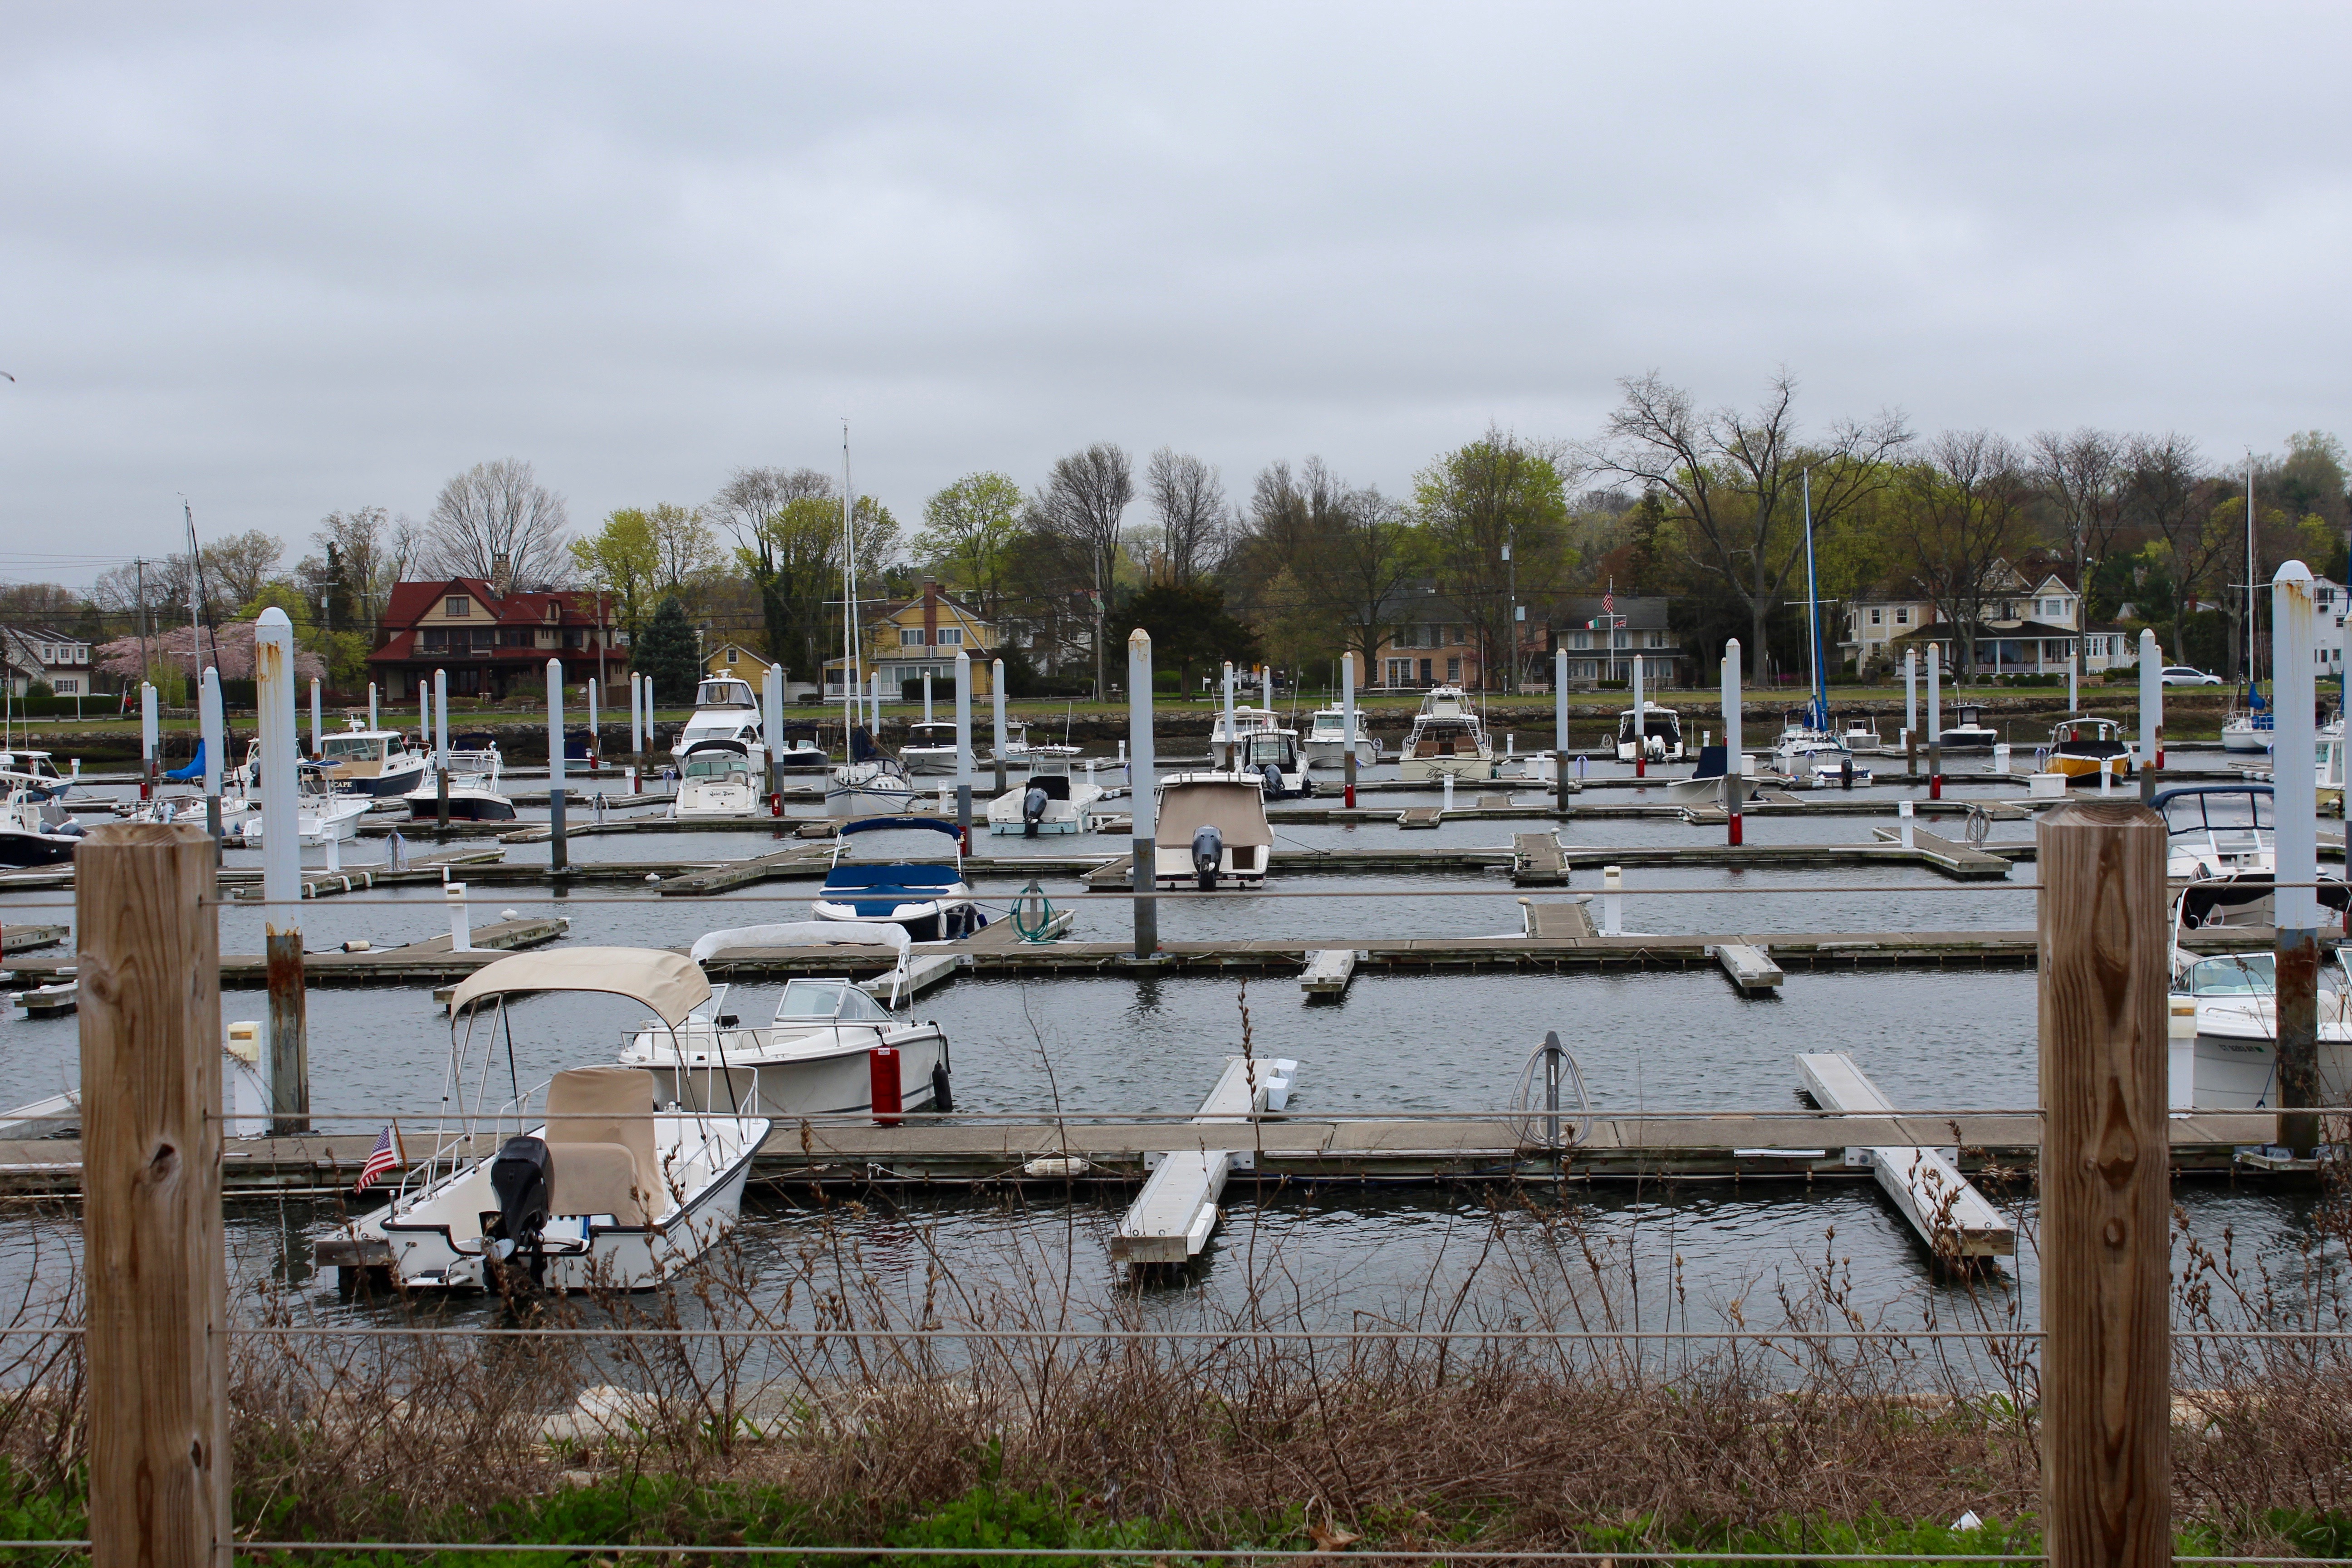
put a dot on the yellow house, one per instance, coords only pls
(735, 659)
(922, 634)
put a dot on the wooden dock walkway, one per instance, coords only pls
(1922, 1179)
(1537, 861)
(1292, 1149)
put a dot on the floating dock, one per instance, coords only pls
(1171, 1219)
(1750, 969)
(1328, 971)
(1924, 1181)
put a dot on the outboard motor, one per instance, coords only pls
(1033, 810)
(1208, 855)
(523, 1180)
(1273, 772)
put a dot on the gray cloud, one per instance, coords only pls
(293, 260)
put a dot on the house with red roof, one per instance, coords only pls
(492, 643)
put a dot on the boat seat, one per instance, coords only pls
(1426, 748)
(600, 1132)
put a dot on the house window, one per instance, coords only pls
(1452, 672)
(1617, 639)
(1903, 617)
(1657, 639)
(1580, 639)
(67, 686)
(1876, 617)
(1424, 672)
(1399, 672)
(730, 656)
(458, 605)
(434, 637)
(910, 636)
(951, 636)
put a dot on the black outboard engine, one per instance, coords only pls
(1208, 855)
(1033, 810)
(1273, 772)
(523, 1180)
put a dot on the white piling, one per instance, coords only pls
(440, 718)
(1910, 693)
(211, 726)
(461, 934)
(372, 723)
(1734, 786)
(963, 718)
(1935, 693)
(596, 744)
(1267, 675)
(1001, 738)
(1142, 794)
(1903, 822)
(927, 696)
(281, 854)
(149, 730)
(771, 721)
(1613, 900)
(318, 724)
(559, 849)
(1560, 699)
(2151, 702)
(1233, 742)
(2294, 747)
(1445, 785)
(1641, 722)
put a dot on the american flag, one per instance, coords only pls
(1609, 601)
(384, 1156)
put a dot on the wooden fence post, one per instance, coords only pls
(2106, 1179)
(157, 1281)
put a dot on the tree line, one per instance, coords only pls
(1704, 504)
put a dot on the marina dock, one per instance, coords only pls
(1923, 1180)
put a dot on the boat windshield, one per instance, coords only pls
(716, 766)
(2219, 812)
(336, 749)
(805, 999)
(724, 694)
(2233, 975)
(1273, 749)
(1329, 726)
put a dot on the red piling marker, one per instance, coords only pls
(882, 1065)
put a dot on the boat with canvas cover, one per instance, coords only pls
(930, 899)
(607, 1187)
(1211, 832)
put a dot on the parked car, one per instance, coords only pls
(2181, 675)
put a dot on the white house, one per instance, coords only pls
(43, 653)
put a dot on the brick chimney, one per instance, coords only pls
(502, 575)
(931, 614)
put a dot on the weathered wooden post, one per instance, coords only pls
(441, 748)
(1735, 779)
(1348, 729)
(2105, 1189)
(1142, 791)
(2295, 613)
(1559, 727)
(559, 849)
(156, 1270)
(281, 875)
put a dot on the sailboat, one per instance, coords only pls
(2246, 728)
(869, 782)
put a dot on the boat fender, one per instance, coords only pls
(1208, 855)
(1033, 810)
(941, 1098)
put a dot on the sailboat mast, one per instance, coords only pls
(1813, 615)
(2253, 643)
(852, 678)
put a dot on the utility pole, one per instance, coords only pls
(1511, 618)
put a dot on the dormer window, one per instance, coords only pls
(554, 612)
(458, 605)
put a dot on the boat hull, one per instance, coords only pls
(36, 848)
(836, 1083)
(464, 806)
(383, 785)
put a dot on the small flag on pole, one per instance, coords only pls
(1609, 601)
(383, 1157)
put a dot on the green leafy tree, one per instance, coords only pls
(1495, 516)
(622, 559)
(968, 535)
(665, 653)
(1191, 629)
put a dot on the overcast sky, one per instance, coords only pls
(286, 261)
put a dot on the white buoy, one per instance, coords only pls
(1613, 900)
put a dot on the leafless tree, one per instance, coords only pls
(375, 550)
(1188, 499)
(2078, 473)
(1961, 513)
(497, 514)
(1731, 480)
(1084, 501)
(235, 568)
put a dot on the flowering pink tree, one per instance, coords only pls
(170, 649)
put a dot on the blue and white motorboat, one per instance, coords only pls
(930, 899)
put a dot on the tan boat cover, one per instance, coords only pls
(669, 983)
(1236, 808)
(599, 1135)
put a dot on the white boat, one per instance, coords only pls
(818, 1055)
(930, 748)
(1968, 734)
(2220, 842)
(474, 795)
(715, 783)
(2234, 1064)
(1211, 832)
(377, 763)
(608, 1188)
(1274, 756)
(1246, 722)
(1326, 741)
(799, 751)
(725, 708)
(871, 784)
(1860, 734)
(1814, 759)
(35, 829)
(1446, 738)
(1019, 750)
(1655, 733)
(2330, 761)
(38, 770)
(1054, 800)
(319, 813)
(2246, 730)
(929, 897)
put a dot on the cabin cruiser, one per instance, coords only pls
(1020, 751)
(932, 901)
(38, 772)
(1326, 741)
(34, 828)
(2082, 748)
(930, 748)
(319, 813)
(1054, 800)
(1655, 733)
(1968, 734)
(473, 790)
(1446, 738)
(1237, 724)
(611, 1188)
(871, 784)
(2220, 841)
(1273, 755)
(1211, 832)
(2247, 728)
(1860, 734)
(725, 708)
(373, 761)
(2234, 1063)
(815, 1056)
(715, 783)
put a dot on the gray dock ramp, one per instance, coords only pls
(1951, 1216)
(1171, 1219)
